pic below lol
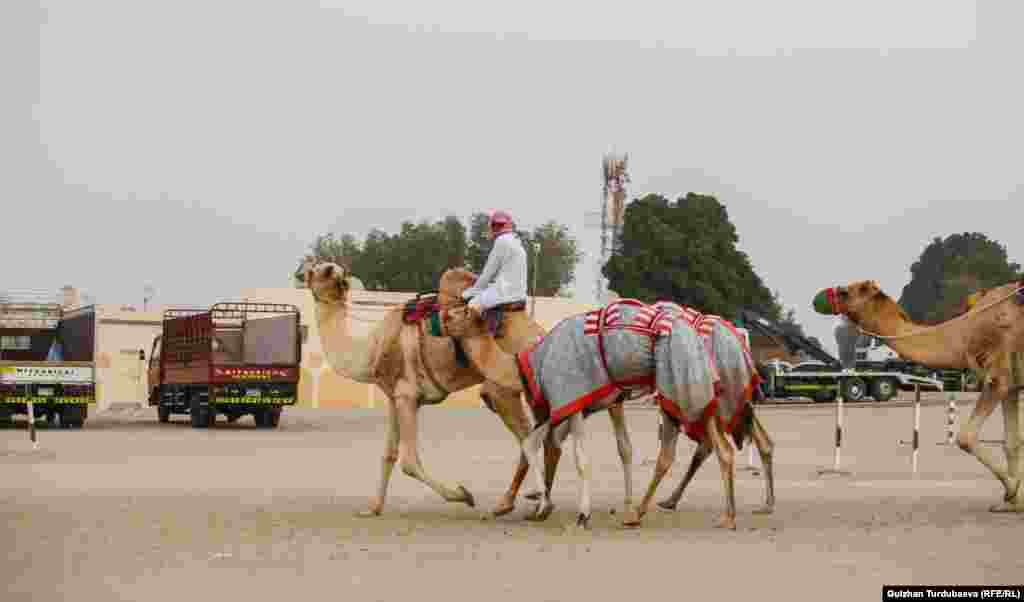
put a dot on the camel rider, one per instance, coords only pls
(503, 279)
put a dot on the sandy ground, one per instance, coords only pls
(129, 509)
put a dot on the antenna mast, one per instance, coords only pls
(613, 207)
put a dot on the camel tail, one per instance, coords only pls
(745, 427)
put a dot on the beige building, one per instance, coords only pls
(121, 332)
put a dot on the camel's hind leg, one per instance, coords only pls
(968, 439)
(387, 465)
(766, 448)
(668, 433)
(1013, 501)
(532, 450)
(699, 455)
(579, 437)
(509, 407)
(726, 461)
(617, 414)
(405, 404)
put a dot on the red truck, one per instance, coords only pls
(235, 359)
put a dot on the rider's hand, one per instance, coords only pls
(467, 295)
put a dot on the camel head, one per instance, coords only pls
(851, 300)
(328, 282)
(453, 282)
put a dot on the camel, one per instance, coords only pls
(740, 381)
(413, 369)
(685, 369)
(987, 338)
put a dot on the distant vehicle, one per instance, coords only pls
(233, 359)
(823, 379)
(46, 358)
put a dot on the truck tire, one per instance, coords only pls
(72, 416)
(824, 396)
(273, 416)
(197, 414)
(854, 389)
(163, 413)
(884, 389)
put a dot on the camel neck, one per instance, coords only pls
(347, 355)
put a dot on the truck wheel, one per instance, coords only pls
(824, 395)
(72, 416)
(273, 417)
(259, 416)
(884, 389)
(197, 413)
(854, 389)
(163, 413)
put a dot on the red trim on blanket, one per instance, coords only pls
(583, 402)
(536, 399)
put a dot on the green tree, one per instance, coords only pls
(685, 251)
(478, 243)
(950, 269)
(555, 250)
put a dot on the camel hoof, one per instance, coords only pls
(583, 520)
(371, 513)
(541, 512)
(467, 497)
(503, 508)
(532, 496)
(727, 522)
(668, 505)
(764, 510)
(631, 520)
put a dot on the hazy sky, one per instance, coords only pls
(201, 145)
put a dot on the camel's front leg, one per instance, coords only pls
(669, 436)
(766, 449)
(726, 461)
(699, 455)
(617, 414)
(579, 436)
(509, 407)
(408, 447)
(967, 439)
(387, 463)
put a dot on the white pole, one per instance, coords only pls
(839, 431)
(917, 425)
(32, 425)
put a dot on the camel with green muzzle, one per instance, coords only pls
(988, 338)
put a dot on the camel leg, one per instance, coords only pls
(408, 448)
(765, 448)
(387, 464)
(669, 435)
(579, 435)
(699, 455)
(1012, 501)
(532, 450)
(510, 409)
(967, 439)
(726, 461)
(617, 414)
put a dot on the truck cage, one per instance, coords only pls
(232, 310)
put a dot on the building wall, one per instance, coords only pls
(120, 334)
(120, 376)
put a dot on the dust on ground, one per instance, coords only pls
(130, 509)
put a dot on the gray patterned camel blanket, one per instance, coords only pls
(626, 345)
(734, 363)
